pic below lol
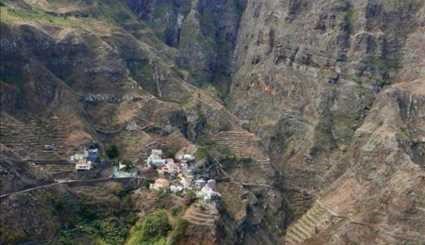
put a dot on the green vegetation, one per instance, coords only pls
(7, 75)
(114, 11)
(12, 236)
(383, 83)
(103, 231)
(178, 231)
(11, 65)
(163, 193)
(128, 165)
(201, 153)
(385, 64)
(109, 12)
(83, 220)
(112, 152)
(146, 183)
(209, 149)
(170, 151)
(176, 210)
(155, 229)
(152, 231)
(350, 18)
(10, 15)
(190, 196)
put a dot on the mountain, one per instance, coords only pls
(309, 114)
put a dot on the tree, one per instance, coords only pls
(128, 165)
(112, 152)
(152, 231)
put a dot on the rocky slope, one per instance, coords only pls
(73, 72)
(307, 75)
(319, 102)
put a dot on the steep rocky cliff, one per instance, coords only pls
(203, 32)
(319, 102)
(307, 75)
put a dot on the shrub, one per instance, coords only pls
(201, 153)
(178, 232)
(147, 182)
(128, 164)
(170, 151)
(153, 230)
(176, 210)
(189, 197)
(112, 152)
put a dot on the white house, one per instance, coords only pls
(83, 164)
(207, 193)
(77, 157)
(186, 181)
(199, 183)
(185, 157)
(155, 159)
(176, 188)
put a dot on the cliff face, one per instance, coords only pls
(307, 73)
(203, 32)
(381, 196)
(321, 102)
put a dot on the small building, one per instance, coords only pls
(131, 126)
(212, 184)
(186, 181)
(176, 188)
(170, 168)
(77, 157)
(185, 169)
(156, 152)
(155, 159)
(83, 164)
(156, 162)
(86, 159)
(185, 157)
(208, 192)
(199, 183)
(160, 184)
(93, 154)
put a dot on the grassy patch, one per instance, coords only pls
(83, 219)
(209, 149)
(104, 231)
(114, 12)
(34, 15)
(152, 230)
(106, 14)
(178, 231)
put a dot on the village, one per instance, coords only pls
(175, 174)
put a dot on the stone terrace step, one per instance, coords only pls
(305, 227)
(201, 216)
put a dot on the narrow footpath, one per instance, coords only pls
(65, 182)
